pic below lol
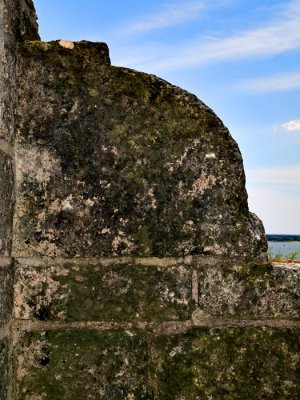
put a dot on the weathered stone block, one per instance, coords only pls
(227, 364)
(249, 291)
(105, 291)
(4, 369)
(75, 364)
(17, 23)
(115, 162)
(231, 363)
(125, 290)
(6, 294)
(6, 203)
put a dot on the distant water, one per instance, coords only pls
(284, 248)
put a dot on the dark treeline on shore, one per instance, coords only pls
(283, 238)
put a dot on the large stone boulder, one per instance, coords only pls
(111, 161)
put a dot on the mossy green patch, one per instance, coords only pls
(204, 363)
(233, 364)
(83, 365)
(146, 168)
(121, 292)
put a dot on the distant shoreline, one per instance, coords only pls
(283, 238)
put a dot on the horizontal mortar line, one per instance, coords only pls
(5, 262)
(208, 261)
(154, 327)
(6, 148)
(106, 261)
(31, 326)
(216, 322)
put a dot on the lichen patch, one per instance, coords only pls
(39, 165)
(67, 44)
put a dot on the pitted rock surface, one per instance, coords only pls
(130, 265)
(111, 161)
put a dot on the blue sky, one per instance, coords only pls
(241, 57)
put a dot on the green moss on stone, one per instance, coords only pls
(222, 364)
(124, 143)
(121, 292)
(233, 364)
(83, 364)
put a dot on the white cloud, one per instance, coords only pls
(271, 84)
(279, 36)
(172, 14)
(292, 126)
(289, 175)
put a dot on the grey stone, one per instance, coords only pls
(6, 203)
(113, 292)
(203, 363)
(83, 364)
(4, 369)
(129, 291)
(6, 294)
(227, 364)
(17, 23)
(139, 271)
(115, 162)
(250, 291)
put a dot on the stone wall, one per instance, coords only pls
(17, 23)
(133, 268)
(155, 328)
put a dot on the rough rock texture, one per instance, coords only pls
(202, 363)
(4, 369)
(161, 290)
(115, 162)
(103, 291)
(6, 203)
(138, 271)
(17, 23)
(102, 365)
(6, 292)
(250, 292)
(228, 364)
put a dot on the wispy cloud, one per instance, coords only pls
(292, 126)
(279, 36)
(172, 14)
(277, 83)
